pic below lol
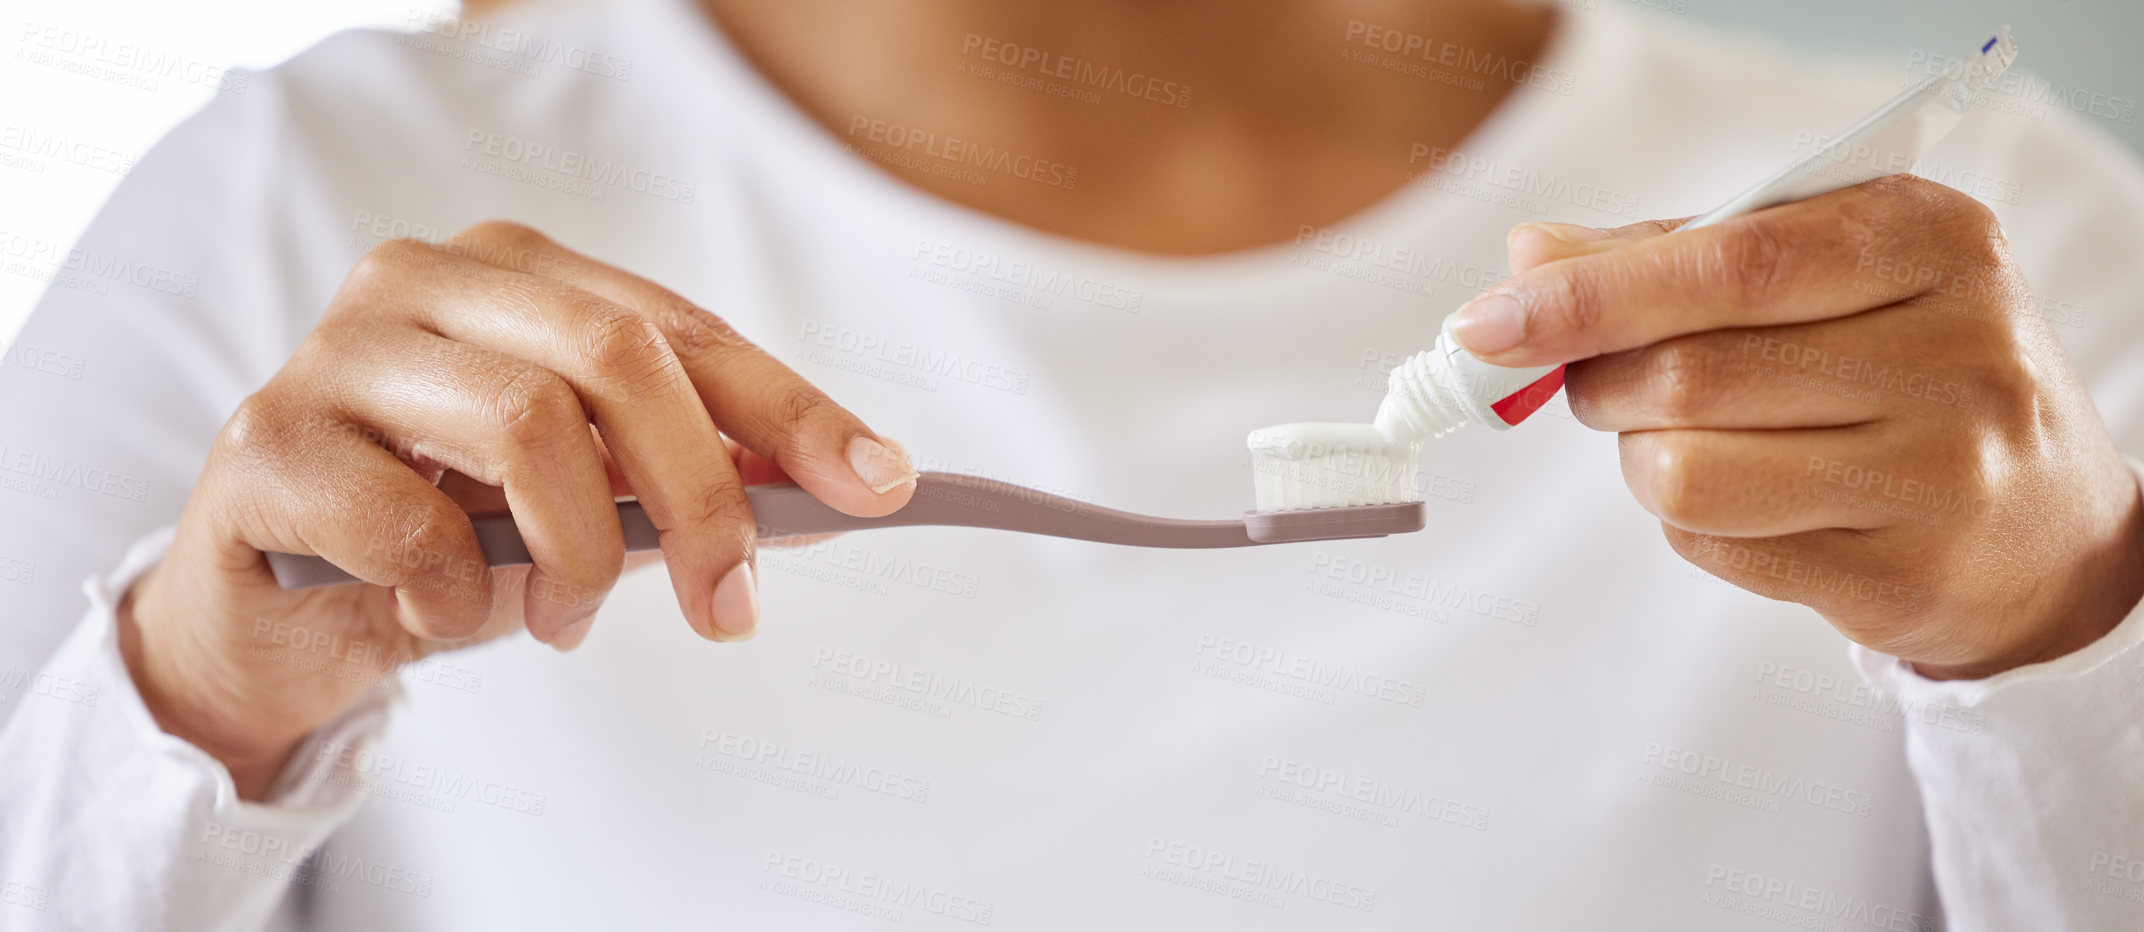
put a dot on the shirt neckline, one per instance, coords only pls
(1515, 125)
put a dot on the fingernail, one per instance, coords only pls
(571, 636)
(737, 604)
(1489, 324)
(882, 466)
(1568, 233)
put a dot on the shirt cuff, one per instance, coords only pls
(318, 783)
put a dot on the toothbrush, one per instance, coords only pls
(785, 511)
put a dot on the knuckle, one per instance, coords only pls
(385, 263)
(533, 407)
(715, 509)
(2003, 378)
(325, 348)
(501, 243)
(432, 551)
(428, 541)
(795, 405)
(1753, 262)
(507, 232)
(1572, 301)
(800, 403)
(1672, 484)
(257, 428)
(1681, 379)
(1904, 186)
(628, 351)
(694, 333)
(1582, 388)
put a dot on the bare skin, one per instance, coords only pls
(501, 369)
(1280, 129)
(440, 382)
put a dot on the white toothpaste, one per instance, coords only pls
(1299, 466)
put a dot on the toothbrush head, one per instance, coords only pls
(1301, 466)
(1331, 481)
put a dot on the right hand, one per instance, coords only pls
(497, 370)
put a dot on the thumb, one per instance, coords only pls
(1536, 244)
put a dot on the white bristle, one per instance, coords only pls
(1299, 466)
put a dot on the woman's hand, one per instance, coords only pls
(1848, 402)
(497, 370)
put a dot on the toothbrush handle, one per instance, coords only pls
(784, 510)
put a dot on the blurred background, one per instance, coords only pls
(2085, 50)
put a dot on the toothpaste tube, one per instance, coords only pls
(1443, 388)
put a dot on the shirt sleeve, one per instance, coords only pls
(183, 296)
(110, 823)
(2032, 783)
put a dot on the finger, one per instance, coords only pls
(504, 422)
(1812, 260)
(640, 398)
(756, 469)
(1743, 483)
(1828, 374)
(300, 486)
(753, 397)
(1530, 245)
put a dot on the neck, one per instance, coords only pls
(1184, 127)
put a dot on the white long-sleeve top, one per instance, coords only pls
(1533, 715)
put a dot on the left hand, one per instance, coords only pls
(1847, 402)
